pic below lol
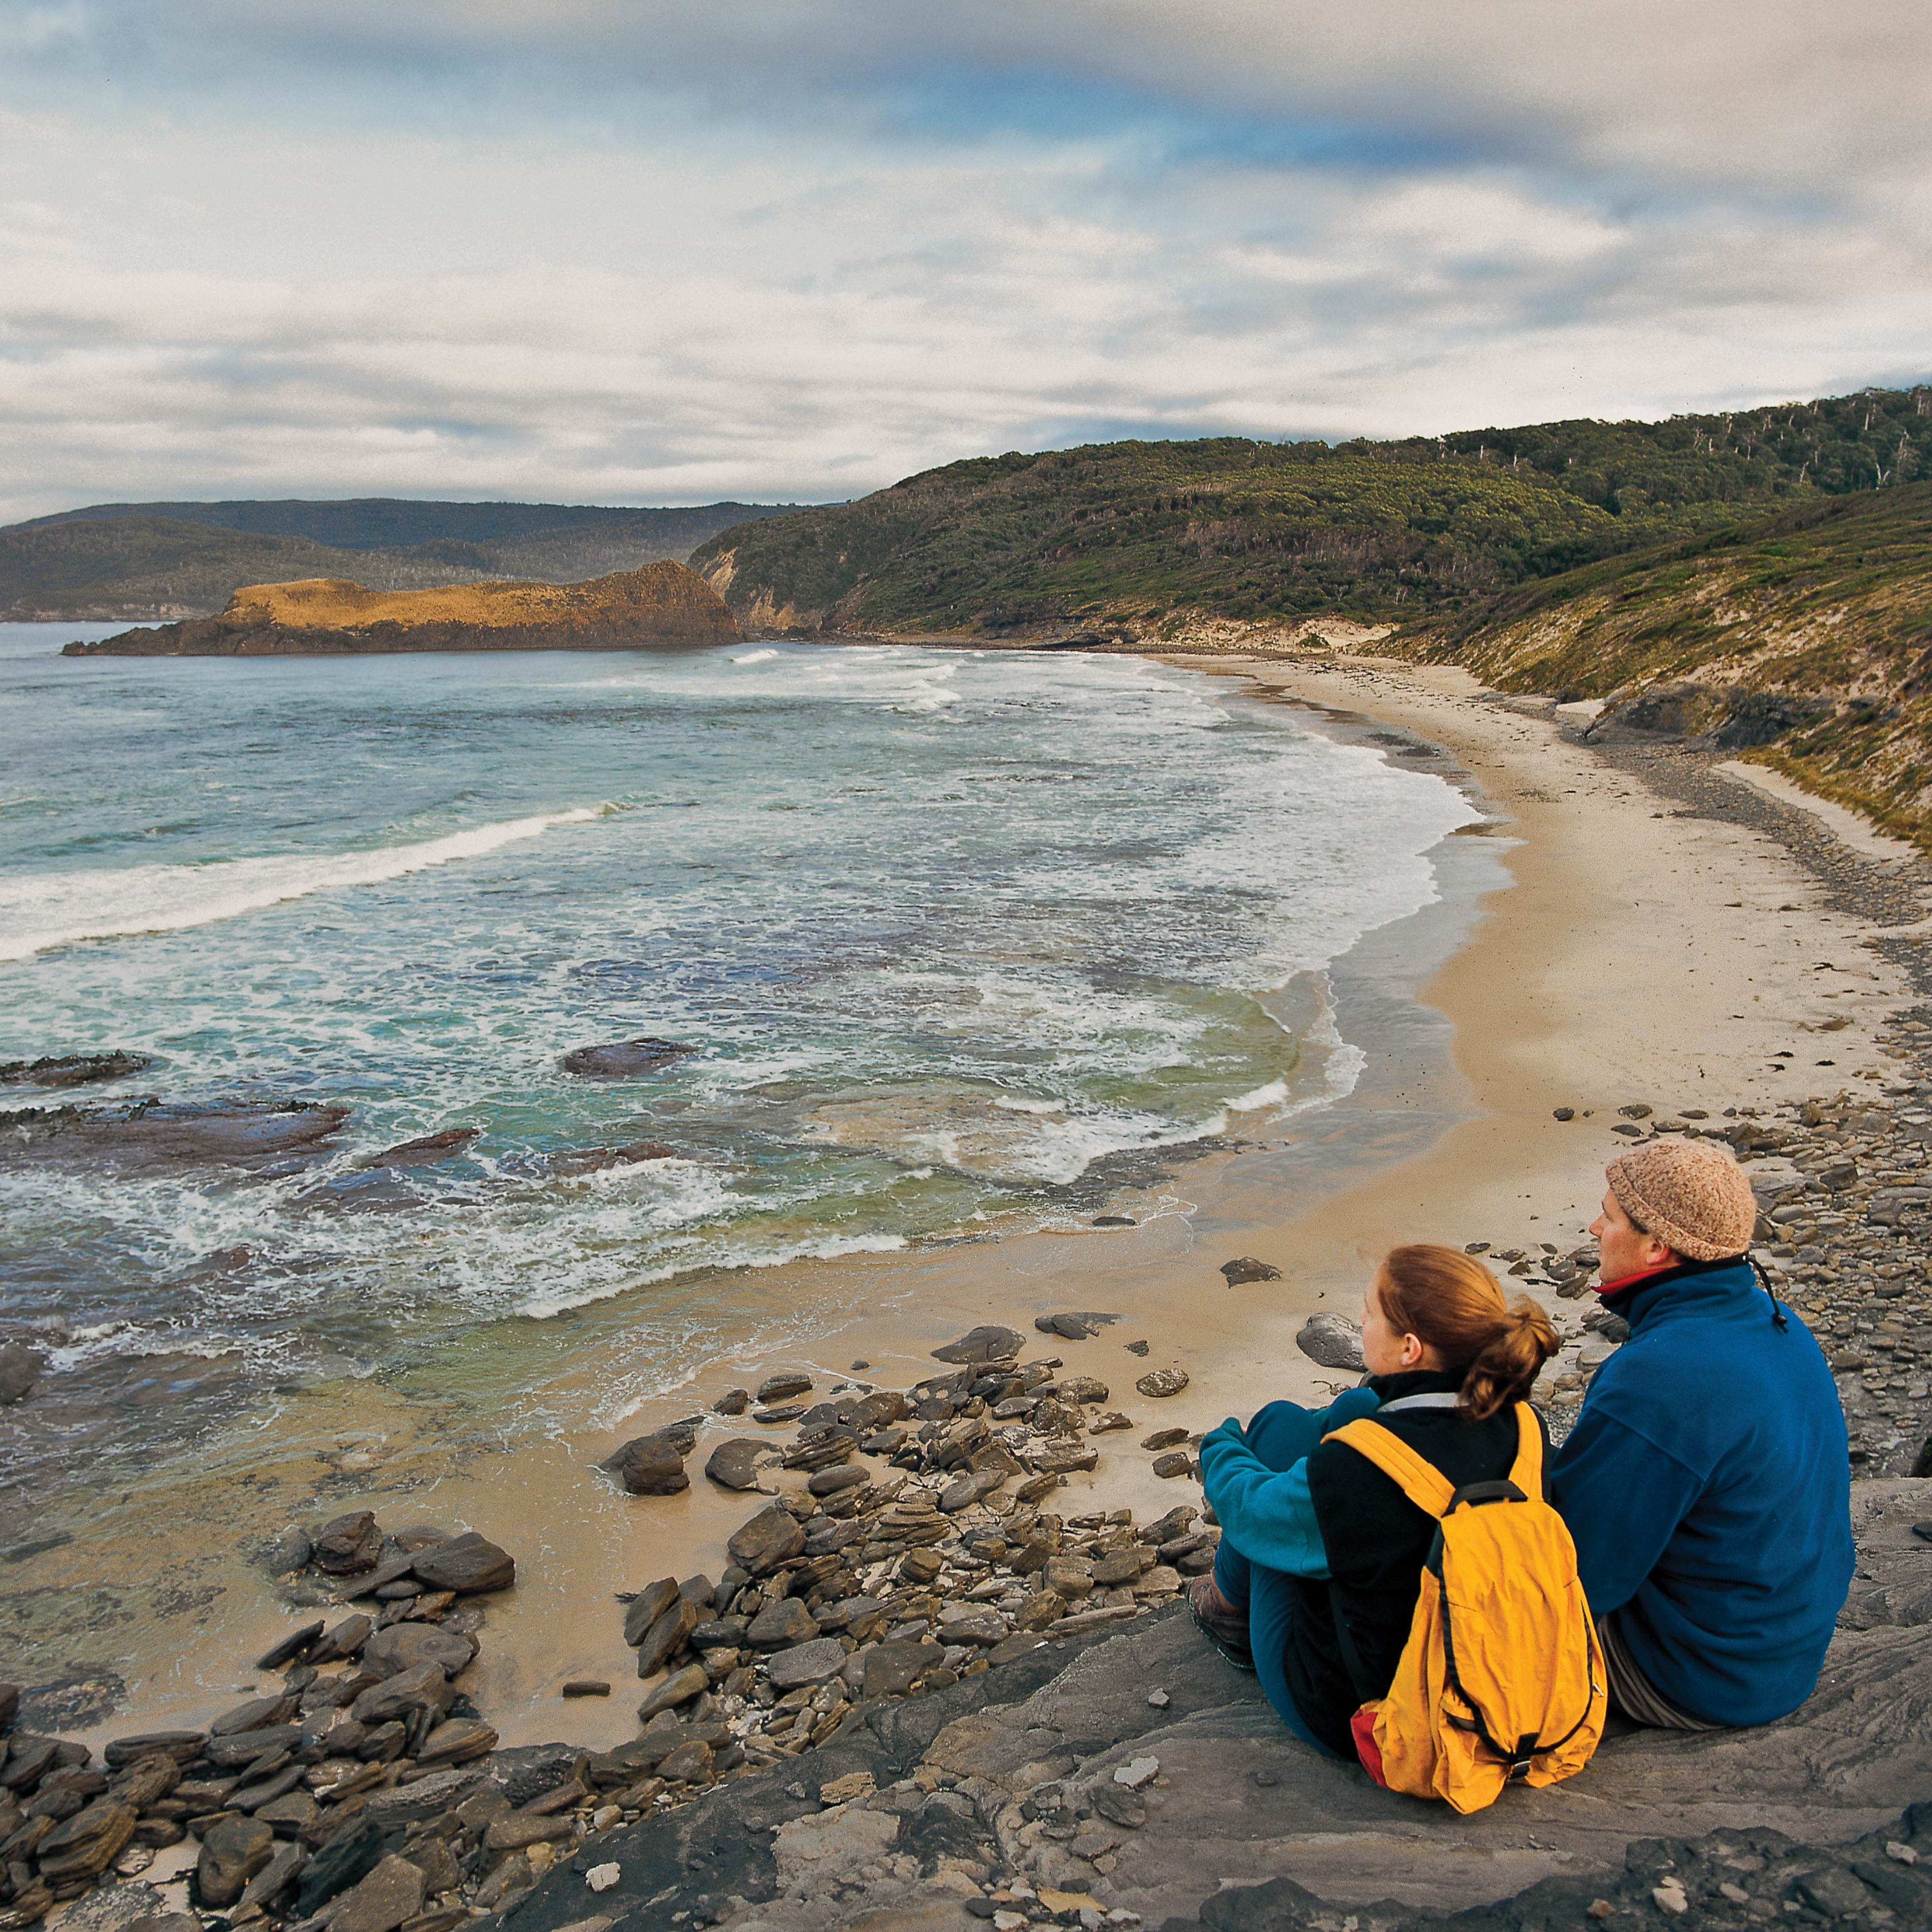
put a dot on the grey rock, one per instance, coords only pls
(988, 1343)
(892, 1669)
(783, 1386)
(291, 1646)
(678, 1688)
(772, 1537)
(389, 1895)
(423, 1687)
(779, 1624)
(735, 1465)
(1160, 1382)
(1245, 1268)
(623, 1060)
(428, 1797)
(647, 1606)
(1332, 1341)
(344, 1641)
(467, 1565)
(21, 1368)
(276, 1877)
(817, 1662)
(350, 1543)
(665, 1637)
(1076, 1327)
(255, 1715)
(649, 1466)
(233, 1851)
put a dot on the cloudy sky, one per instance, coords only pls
(626, 251)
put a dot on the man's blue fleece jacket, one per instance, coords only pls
(1268, 1515)
(1707, 1487)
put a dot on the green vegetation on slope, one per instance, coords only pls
(131, 562)
(1129, 533)
(1803, 640)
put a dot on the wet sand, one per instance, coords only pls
(1590, 950)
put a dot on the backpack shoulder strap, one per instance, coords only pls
(1527, 1472)
(1423, 1484)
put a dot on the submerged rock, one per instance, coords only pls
(151, 1137)
(430, 1148)
(73, 1070)
(624, 1059)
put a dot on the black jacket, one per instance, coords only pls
(1378, 1541)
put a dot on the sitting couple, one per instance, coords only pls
(1706, 1484)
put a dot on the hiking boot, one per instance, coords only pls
(1219, 1622)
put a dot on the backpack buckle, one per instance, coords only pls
(1502, 1491)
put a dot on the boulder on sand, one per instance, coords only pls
(989, 1343)
(1330, 1340)
(735, 1465)
(467, 1565)
(649, 1465)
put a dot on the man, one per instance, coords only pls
(1707, 1481)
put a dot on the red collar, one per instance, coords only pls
(1609, 1288)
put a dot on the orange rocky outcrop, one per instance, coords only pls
(662, 607)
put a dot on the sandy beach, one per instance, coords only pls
(1592, 950)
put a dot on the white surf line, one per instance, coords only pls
(49, 910)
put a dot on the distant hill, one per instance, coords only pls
(1133, 533)
(130, 561)
(1803, 640)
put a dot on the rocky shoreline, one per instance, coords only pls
(905, 1553)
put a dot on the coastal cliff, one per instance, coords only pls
(662, 607)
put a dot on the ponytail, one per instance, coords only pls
(1452, 1303)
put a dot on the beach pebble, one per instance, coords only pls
(1159, 1699)
(1161, 1382)
(1563, 1113)
(1136, 1772)
(1135, 1347)
(602, 1878)
(586, 1687)
(734, 1402)
(1175, 1462)
(1245, 1269)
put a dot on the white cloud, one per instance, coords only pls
(597, 253)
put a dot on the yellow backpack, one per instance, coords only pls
(1501, 1677)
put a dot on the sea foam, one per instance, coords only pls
(48, 909)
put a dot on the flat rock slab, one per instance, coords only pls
(148, 1138)
(1238, 1801)
(72, 1070)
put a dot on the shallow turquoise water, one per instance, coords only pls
(952, 935)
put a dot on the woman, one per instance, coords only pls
(1309, 1526)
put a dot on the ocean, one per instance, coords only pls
(951, 943)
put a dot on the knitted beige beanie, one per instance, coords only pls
(1691, 1194)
